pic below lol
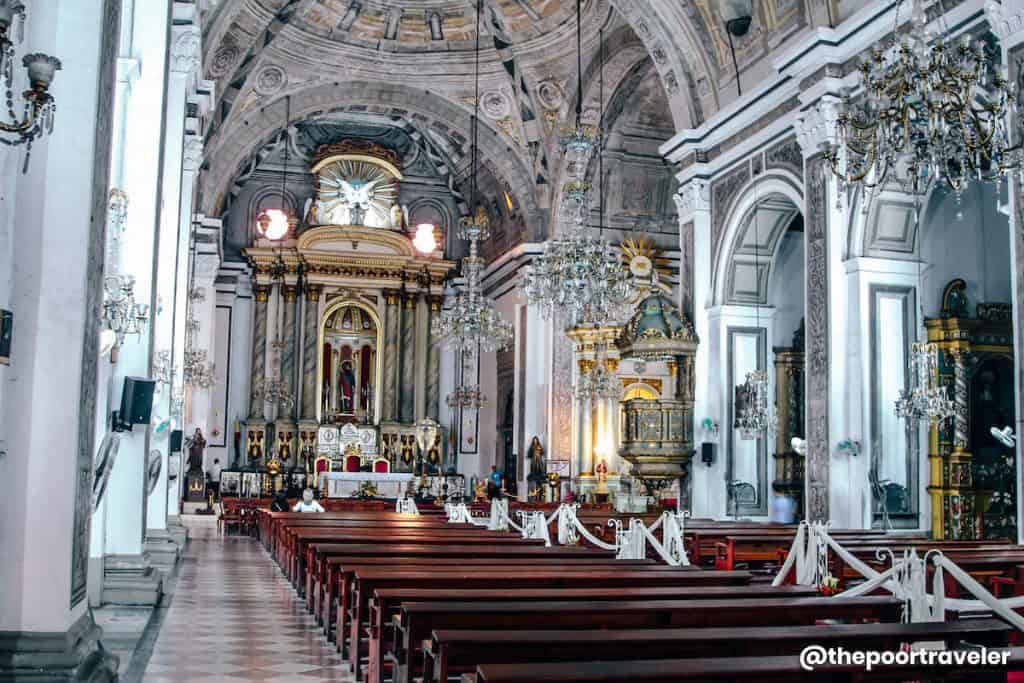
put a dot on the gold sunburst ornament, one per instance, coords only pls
(644, 257)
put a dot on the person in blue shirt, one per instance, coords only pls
(494, 483)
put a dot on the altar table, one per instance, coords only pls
(388, 484)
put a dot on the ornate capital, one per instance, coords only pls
(436, 301)
(1007, 21)
(186, 50)
(291, 293)
(192, 156)
(611, 364)
(409, 299)
(694, 196)
(261, 292)
(391, 297)
(586, 365)
(817, 126)
(313, 292)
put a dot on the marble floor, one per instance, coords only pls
(234, 617)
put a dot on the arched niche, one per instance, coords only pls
(349, 372)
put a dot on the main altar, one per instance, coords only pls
(343, 367)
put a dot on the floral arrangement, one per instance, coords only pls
(829, 585)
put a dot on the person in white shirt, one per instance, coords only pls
(307, 504)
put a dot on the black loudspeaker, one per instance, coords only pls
(176, 441)
(707, 453)
(136, 401)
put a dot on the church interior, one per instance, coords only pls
(511, 340)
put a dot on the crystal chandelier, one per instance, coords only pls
(467, 397)
(121, 314)
(275, 388)
(39, 103)
(197, 371)
(598, 383)
(927, 400)
(163, 368)
(755, 415)
(580, 273)
(930, 112)
(473, 324)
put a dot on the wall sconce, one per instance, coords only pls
(39, 104)
(120, 312)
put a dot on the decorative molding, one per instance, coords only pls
(692, 197)
(186, 50)
(817, 126)
(192, 157)
(723, 191)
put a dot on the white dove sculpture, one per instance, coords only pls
(1004, 436)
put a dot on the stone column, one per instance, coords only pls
(407, 357)
(390, 359)
(261, 295)
(289, 337)
(433, 361)
(311, 354)
(57, 211)
(422, 344)
(816, 466)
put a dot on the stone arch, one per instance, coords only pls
(234, 144)
(775, 198)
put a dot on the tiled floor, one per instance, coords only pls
(234, 617)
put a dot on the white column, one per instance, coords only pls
(694, 205)
(56, 211)
(184, 59)
(128, 575)
(206, 259)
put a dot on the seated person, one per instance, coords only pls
(307, 504)
(280, 503)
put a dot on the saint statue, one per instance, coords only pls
(535, 455)
(601, 470)
(347, 384)
(195, 451)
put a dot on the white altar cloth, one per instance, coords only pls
(389, 485)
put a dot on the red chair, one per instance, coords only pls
(352, 463)
(382, 465)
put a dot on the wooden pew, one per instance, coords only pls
(387, 602)
(335, 577)
(417, 620)
(454, 652)
(303, 537)
(366, 581)
(778, 669)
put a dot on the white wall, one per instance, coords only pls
(969, 240)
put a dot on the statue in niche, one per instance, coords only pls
(347, 384)
(399, 217)
(195, 451)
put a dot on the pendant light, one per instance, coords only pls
(277, 224)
